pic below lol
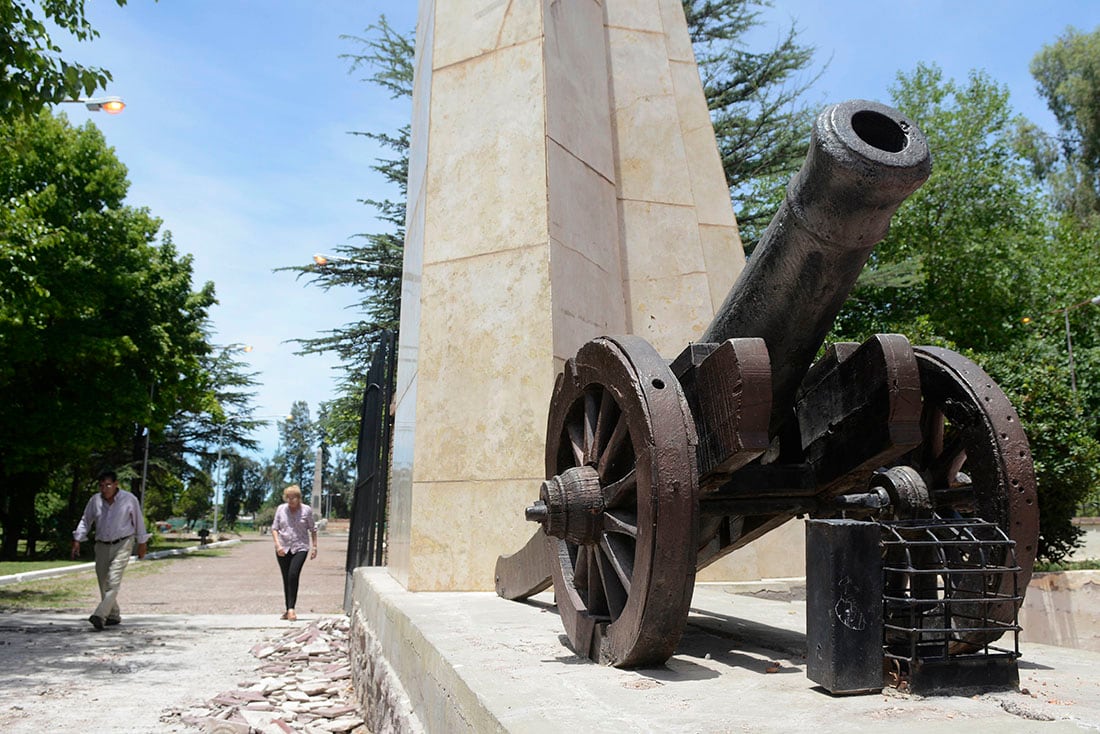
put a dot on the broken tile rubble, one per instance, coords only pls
(303, 687)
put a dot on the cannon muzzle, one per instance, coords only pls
(865, 158)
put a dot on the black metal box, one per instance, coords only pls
(844, 605)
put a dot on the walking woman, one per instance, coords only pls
(295, 534)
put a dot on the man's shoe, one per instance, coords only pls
(97, 622)
(112, 622)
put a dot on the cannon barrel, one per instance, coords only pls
(865, 158)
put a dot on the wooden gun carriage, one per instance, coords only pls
(657, 468)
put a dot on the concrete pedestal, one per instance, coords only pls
(473, 662)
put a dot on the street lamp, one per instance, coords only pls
(110, 105)
(1094, 301)
(322, 260)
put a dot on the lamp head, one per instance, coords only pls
(110, 105)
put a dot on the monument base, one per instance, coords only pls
(473, 662)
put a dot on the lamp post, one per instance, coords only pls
(110, 105)
(1094, 301)
(218, 481)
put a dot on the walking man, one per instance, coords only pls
(116, 515)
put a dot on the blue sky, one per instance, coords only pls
(236, 131)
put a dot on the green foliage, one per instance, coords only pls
(298, 454)
(1067, 73)
(755, 98)
(195, 500)
(32, 71)
(163, 492)
(1066, 454)
(264, 517)
(245, 487)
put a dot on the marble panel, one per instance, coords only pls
(660, 240)
(725, 259)
(670, 312)
(485, 367)
(638, 66)
(708, 181)
(399, 524)
(639, 15)
(588, 300)
(641, 129)
(477, 27)
(460, 555)
(421, 101)
(583, 209)
(487, 175)
(578, 107)
(677, 40)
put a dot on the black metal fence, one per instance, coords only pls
(367, 533)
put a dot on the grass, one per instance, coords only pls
(7, 568)
(73, 592)
(87, 555)
(57, 594)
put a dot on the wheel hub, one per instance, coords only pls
(570, 506)
(909, 497)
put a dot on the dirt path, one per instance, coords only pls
(239, 579)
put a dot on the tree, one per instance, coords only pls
(299, 448)
(241, 481)
(194, 502)
(1067, 73)
(32, 73)
(93, 313)
(755, 99)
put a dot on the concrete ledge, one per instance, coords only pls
(46, 573)
(472, 662)
(1063, 609)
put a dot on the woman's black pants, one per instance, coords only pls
(291, 566)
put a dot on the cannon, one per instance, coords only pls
(656, 468)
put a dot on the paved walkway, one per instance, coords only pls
(189, 624)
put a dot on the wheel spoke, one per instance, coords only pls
(597, 599)
(615, 494)
(621, 522)
(576, 442)
(614, 591)
(619, 554)
(932, 428)
(948, 463)
(609, 415)
(615, 444)
(591, 418)
(580, 568)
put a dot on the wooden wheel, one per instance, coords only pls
(974, 462)
(620, 506)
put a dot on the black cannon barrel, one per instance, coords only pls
(865, 158)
